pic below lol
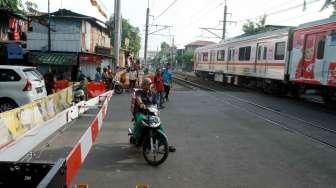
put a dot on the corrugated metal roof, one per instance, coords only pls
(200, 43)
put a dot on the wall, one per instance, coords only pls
(66, 36)
(93, 36)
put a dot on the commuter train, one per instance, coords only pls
(289, 59)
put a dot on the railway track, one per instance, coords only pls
(297, 125)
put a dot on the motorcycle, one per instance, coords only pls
(153, 140)
(79, 95)
(117, 86)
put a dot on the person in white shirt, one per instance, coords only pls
(133, 76)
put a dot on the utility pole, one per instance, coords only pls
(49, 37)
(224, 21)
(223, 29)
(146, 34)
(117, 31)
(172, 53)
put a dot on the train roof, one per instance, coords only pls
(249, 37)
(258, 36)
(331, 19)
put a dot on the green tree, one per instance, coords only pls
(17, 6)
(164, 47)
(188, 59)
(31, 8)
(129, 32)
(13, 5)
(252, 28)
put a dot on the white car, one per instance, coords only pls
(19, 85)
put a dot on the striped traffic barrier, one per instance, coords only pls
(79, 152)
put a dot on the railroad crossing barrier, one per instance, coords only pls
(62, 172)
(16, 122)
(79, 152)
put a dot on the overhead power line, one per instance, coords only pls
(165, 10)
(281, 10)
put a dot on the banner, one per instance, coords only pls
(16, 122)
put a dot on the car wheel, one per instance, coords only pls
(6, 104)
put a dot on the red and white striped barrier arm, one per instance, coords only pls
(78, 154)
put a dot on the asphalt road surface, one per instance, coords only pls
(217, 144)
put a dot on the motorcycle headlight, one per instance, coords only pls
(154, 119)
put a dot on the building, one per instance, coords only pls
(13, 27)
(152, 54)
(196, 44)
(76, 41)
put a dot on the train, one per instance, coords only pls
(286, 60)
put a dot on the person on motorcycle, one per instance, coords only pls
(144, 97)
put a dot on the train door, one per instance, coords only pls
(261, 59)
(320, 60)
(312, 66)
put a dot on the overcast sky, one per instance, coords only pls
(187, 16)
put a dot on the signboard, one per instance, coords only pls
(90, 58)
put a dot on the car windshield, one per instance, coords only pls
(32, 74)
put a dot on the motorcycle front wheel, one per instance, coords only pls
(159, 153)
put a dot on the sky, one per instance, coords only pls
(187, 16)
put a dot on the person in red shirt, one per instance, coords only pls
(159, 88)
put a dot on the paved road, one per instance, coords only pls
(217, 146)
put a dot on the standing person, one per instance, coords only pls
(50, 81)
(132, 78)
(159, 88)
(80, 76)
(109, 76)
(167, 78)
(98, 75)
(109, 72)
(104, 75)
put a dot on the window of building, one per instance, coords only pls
(244, 53)
(265, 53)
(280, 49)
(8, 75)
(205, 56)
(320, 48)
(221, 55)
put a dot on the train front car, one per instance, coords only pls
(313, 58)
(255, 60)
(205, 60)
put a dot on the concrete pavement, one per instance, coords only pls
(217, 146)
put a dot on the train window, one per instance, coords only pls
(244, 53)
(229, 55)
(265, 53)
(205, 56)
(233, 55)
(280, 48)
(212, 56)
(259, 53)
(241, 53)
(221, 55)
(320, 48)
